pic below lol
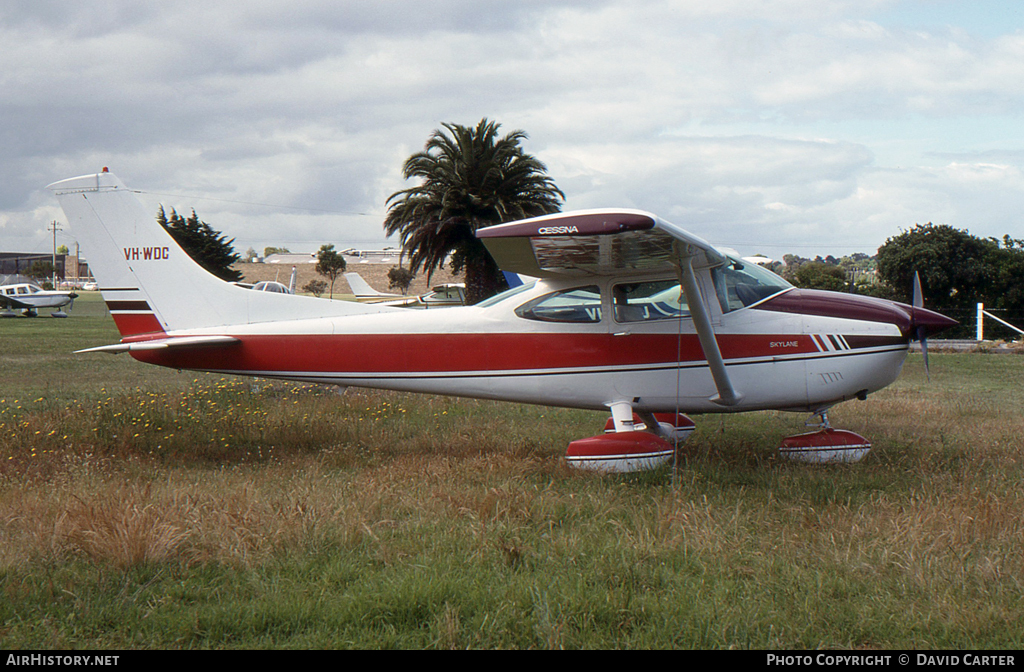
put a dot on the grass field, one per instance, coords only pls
(151, 508)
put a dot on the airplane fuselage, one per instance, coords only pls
(776, 359)
(30, 297)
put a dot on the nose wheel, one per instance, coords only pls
(826, 445)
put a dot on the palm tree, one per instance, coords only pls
(471, 178)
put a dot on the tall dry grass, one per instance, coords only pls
(420, 521)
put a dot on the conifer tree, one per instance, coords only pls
(208, 247)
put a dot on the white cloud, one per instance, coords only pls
(782, 122)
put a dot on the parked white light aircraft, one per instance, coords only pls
(630, 314)
(440, 296)
(29, 297)
(362, 290)
(271, 286)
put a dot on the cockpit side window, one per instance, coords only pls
(739, 284)
(643, 301)
(577, 305)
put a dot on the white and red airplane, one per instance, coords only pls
(30, 298)
(440, 296)
(629, 314)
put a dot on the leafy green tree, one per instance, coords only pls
(40, 270)
(315, 287)
(957, 269)
(330, 264)
(469, 178)
(267, 251)
(400, 278)
(821, 275)
(208, 247)
(1007, 292)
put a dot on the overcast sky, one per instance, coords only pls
(771, 126)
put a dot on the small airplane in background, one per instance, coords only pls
(629, 314)
(367, 294)
(30, 298)
(440, 296)
(271, 285)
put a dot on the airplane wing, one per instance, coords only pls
(11, 302)
(614, 242)
(594, 242)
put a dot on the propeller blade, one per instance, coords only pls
(921, 332)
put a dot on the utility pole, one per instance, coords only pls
(55, 228)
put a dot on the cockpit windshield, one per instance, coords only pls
(739, 284)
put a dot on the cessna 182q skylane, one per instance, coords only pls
(629, 314)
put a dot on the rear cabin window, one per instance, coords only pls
(644, 301)
(578, 305)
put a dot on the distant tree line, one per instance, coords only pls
(853, 273)
(957, 269)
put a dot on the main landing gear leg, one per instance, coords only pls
(822, 416)
(622, 416)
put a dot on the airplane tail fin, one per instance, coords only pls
(149, 283)
(362, 289)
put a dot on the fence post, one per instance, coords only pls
(981, 322)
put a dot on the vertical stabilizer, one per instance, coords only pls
(362, 289)
(147, 280)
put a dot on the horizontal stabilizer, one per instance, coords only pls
(189, 342)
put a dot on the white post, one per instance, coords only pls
(981, 322)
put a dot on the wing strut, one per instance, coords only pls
(727, 396)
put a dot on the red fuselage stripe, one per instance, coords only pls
(423, 353)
